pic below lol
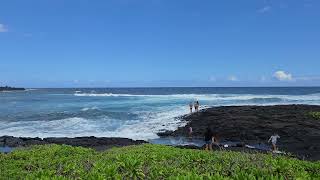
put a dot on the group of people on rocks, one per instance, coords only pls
(194, 105)
(211, 138)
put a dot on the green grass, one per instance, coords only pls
(315, 115)
(149, 162)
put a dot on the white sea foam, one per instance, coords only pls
(89, 108)
(216, 97)
(30, 90)
(146, 127)
(104, 95)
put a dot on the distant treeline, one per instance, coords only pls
(7, 88)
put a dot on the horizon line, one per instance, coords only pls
(137, 87)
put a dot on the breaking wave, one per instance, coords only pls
(217, 97)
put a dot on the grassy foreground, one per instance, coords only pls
(149, 162)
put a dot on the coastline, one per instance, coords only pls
(300, 133)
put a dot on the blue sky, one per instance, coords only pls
(119, 43)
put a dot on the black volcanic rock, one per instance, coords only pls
(300, 133)
(100, 143)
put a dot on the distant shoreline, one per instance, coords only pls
(161, 87)
(7, 88)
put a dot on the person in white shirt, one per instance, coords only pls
(273, 139)
(191, 106)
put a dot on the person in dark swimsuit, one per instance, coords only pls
(196, 106)
(191, 106)
(208, 136)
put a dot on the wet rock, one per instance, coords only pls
(165, 133)
(189, 147)
(12, 141)
(240, 144)
(100, 143)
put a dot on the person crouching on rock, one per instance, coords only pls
(208, 136)
(215, 140)
(273, 140)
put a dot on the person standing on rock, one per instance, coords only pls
(190, 131)
(196, 106)
(208, 136)
(191, 106)
(273, 139)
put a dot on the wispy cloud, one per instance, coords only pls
(27, 34)
(307, 5)
(283, 76)
(212, 78)
(263, 78)
(264, 9)
(308, 78)
(232, 78)
(3, 28)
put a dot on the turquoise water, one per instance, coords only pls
(137, 113)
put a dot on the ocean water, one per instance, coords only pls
(137, 113)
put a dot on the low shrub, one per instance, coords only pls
(315, 115)
(149, 162)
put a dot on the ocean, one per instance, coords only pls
(137, 113)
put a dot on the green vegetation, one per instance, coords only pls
(315, 115)
(149, 162)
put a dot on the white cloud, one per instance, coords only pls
(232, 78)
(264, 9)
(3, 28)
(283, 76)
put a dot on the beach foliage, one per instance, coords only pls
(149, 162)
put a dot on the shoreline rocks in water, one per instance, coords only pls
(7, 88)
(97, 143)
(299, 132)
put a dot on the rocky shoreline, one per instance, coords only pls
(97, 143)
(299, 132)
